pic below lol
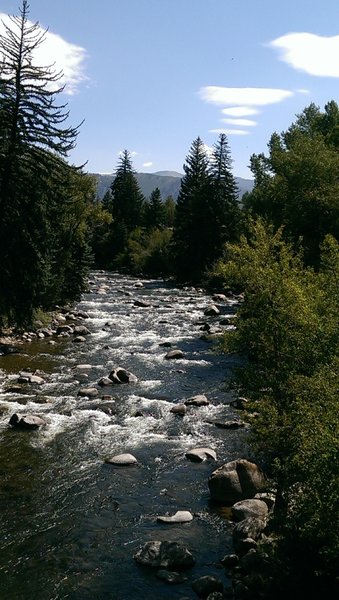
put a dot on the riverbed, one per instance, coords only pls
(70, 523)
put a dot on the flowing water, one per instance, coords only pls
(70, 523)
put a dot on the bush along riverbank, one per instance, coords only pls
(288, 335)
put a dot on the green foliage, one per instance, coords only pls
(127, 199)
(288, 333)
(147, 252)
(297, 185)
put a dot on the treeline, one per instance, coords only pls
(182, 239)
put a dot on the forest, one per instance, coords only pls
(278, 246)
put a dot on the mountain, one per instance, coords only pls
(168, 183)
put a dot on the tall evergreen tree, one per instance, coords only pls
(33, 140)
(192, 215)
(154, 210)
(225, 214)
(127, 198)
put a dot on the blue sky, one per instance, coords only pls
(152, 75)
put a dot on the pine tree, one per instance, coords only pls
(191, 215)
(127, 199)
(33, 140)
(154, 210)
(225, 216)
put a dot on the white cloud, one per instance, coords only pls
(147, 164)
(314, 54)
(230, 131)
(54, 50)
(303, 91)
(243, 96)
(241, 122)
(240, 111)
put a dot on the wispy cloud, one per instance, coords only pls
(54, 50)
(243, 96)
(240, 111)
(240, 122)
(147, 164)
(313, 54)
(230, 131)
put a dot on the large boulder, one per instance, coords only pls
(249, 508)
(120, 375)
(26, 421)
(236, 480)
(199, 400)
(168, 555)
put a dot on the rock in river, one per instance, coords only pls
(249, 508)
(120, 375)
(173, 354)
(199, 400)
(181, 516)
(169, 555)
(89, 392)
(122, 460)
(26, 421)
(201, 454)
(235, 481)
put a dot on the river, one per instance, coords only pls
(70, 523)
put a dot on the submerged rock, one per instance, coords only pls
(171, 576)
(169, 555)
(204, 586)
(26, 421)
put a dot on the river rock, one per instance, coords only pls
(169, 555)
(142, 303)
(30, 378)
(212, 311)
(207, 585)
(181, 516)
(239, 403)
(249, 508)
(179, 409)
(122, 460)
(84, 367)
(199, 400)
(171, 576)
(88, 392)
(201, 454)
(229, 424)
(79, 339)
(174, 354)
(247, 531)
(235, 481)
(105, 381)
(81, 330)
(230, 560)
(62, 329)
(120, 375)
(26, 421)
(219, 298)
